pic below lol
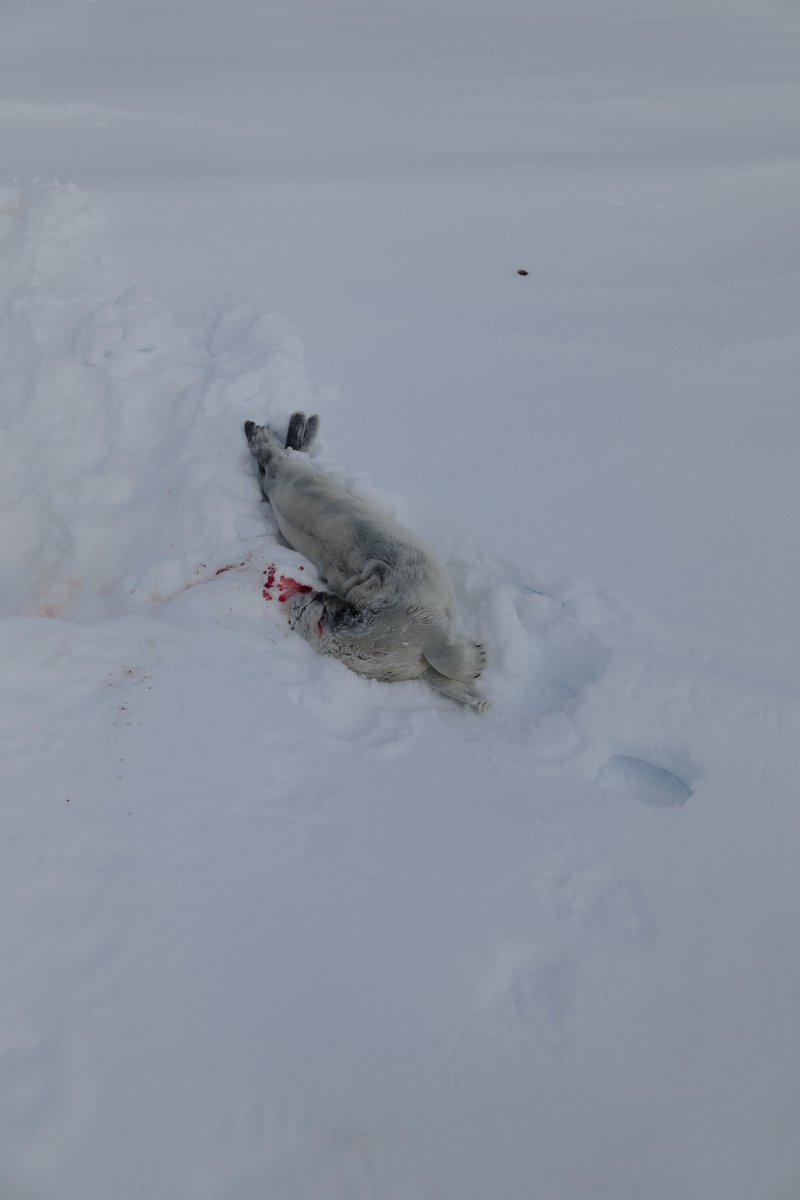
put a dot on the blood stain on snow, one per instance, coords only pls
(290, 587)
(287, 587)
(269, 582)
(65, 591)
(159, 599)
(230, 567)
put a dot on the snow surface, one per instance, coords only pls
(270, 930)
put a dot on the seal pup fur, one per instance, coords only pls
(389, 613)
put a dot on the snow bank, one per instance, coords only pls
(131, 423)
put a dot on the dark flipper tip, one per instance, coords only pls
(294, 435)
(312, 428)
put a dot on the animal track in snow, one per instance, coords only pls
(618, 914)
(532, 995)
(595, 900)
(541, 998)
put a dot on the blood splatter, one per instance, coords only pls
(269, 582)
(230, 567)
(290, 587)
(287, 587)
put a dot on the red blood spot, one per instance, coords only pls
(229, 567)
(290, 587)
(287, 587)
(269, 582)
(301, 568)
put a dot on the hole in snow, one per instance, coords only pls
(651, 784)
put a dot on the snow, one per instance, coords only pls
(270, 929)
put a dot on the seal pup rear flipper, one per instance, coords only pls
(456, 689)
(302, 431)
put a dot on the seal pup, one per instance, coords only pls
(390, 611)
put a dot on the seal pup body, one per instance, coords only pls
(390, 609)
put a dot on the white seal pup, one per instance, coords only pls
(390, 610)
